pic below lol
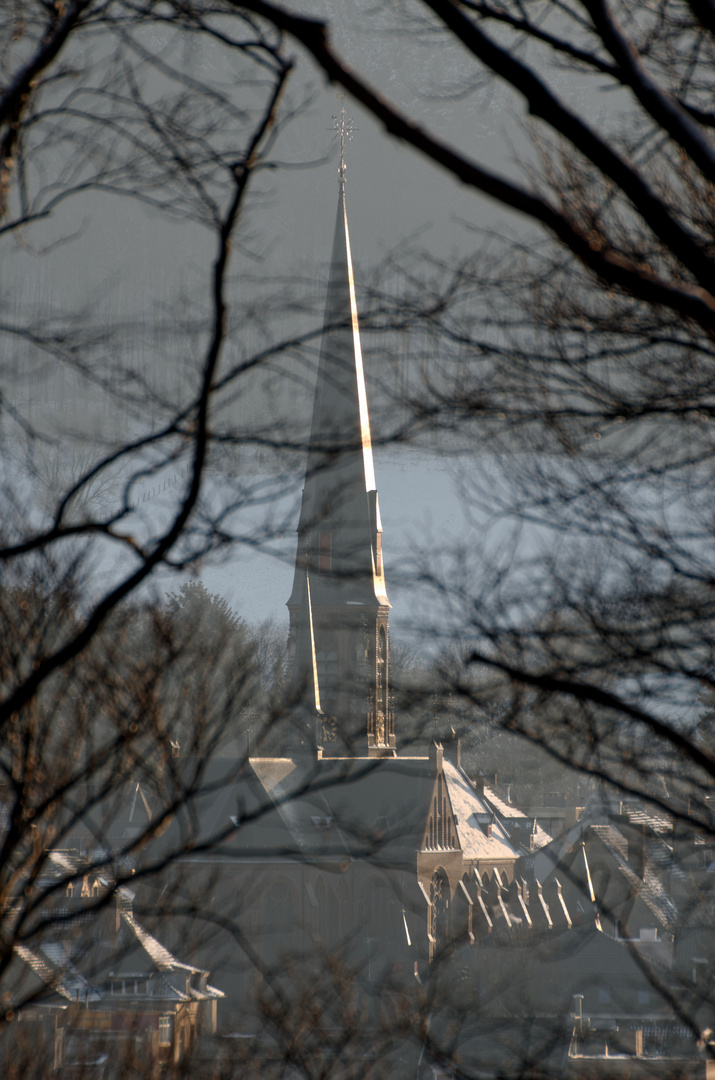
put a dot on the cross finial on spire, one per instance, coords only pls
(344, 130)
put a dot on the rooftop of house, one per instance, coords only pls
(74, 970)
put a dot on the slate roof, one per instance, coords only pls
(650, 889)
(53, 964)
(283, 808)
(511, 813)
(361, 808)
(474, 815)
(613, 839)
(637, 814)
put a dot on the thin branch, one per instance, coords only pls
(613, 268)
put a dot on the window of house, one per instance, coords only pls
(164, 1031)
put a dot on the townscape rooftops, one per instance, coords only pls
(510, 813)
(169, 979)
(649, 887)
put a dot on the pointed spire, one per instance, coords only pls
(306, 680)
(344, 129)
(340, 496)
(340, 437)
(316, 683)
(339, 583)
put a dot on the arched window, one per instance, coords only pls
(327, 662)
(280, 921)
(439, 908)
(378, 899)
(440, 814)
(382, 672)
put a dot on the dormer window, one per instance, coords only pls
(325, 552)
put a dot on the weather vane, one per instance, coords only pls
(344, 130)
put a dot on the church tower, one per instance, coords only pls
(338, 607)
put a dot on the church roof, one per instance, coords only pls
(275, 809)
(473, 816)
(351, 807)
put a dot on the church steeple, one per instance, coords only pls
(339, 569)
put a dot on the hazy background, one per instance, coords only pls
(125, 266)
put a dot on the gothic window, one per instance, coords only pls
(440, 814)
(332, 920)
(280, 918)
(325, 552)
(439, 908)
(382, 672)
(378, 909)
(327, 662)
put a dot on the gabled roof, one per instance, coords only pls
(272, 809)
(136, 953)
(649, 888)
(512, 814)
(52, 965)
(351, 807)
(473, 818)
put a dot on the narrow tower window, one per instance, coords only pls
(382, 672)
(325, 552)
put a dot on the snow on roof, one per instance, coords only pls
(57, 971)
(649, 888)
(161, 956)
(512, 813)
(167, 963)
(473, 816)
(64, 860)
